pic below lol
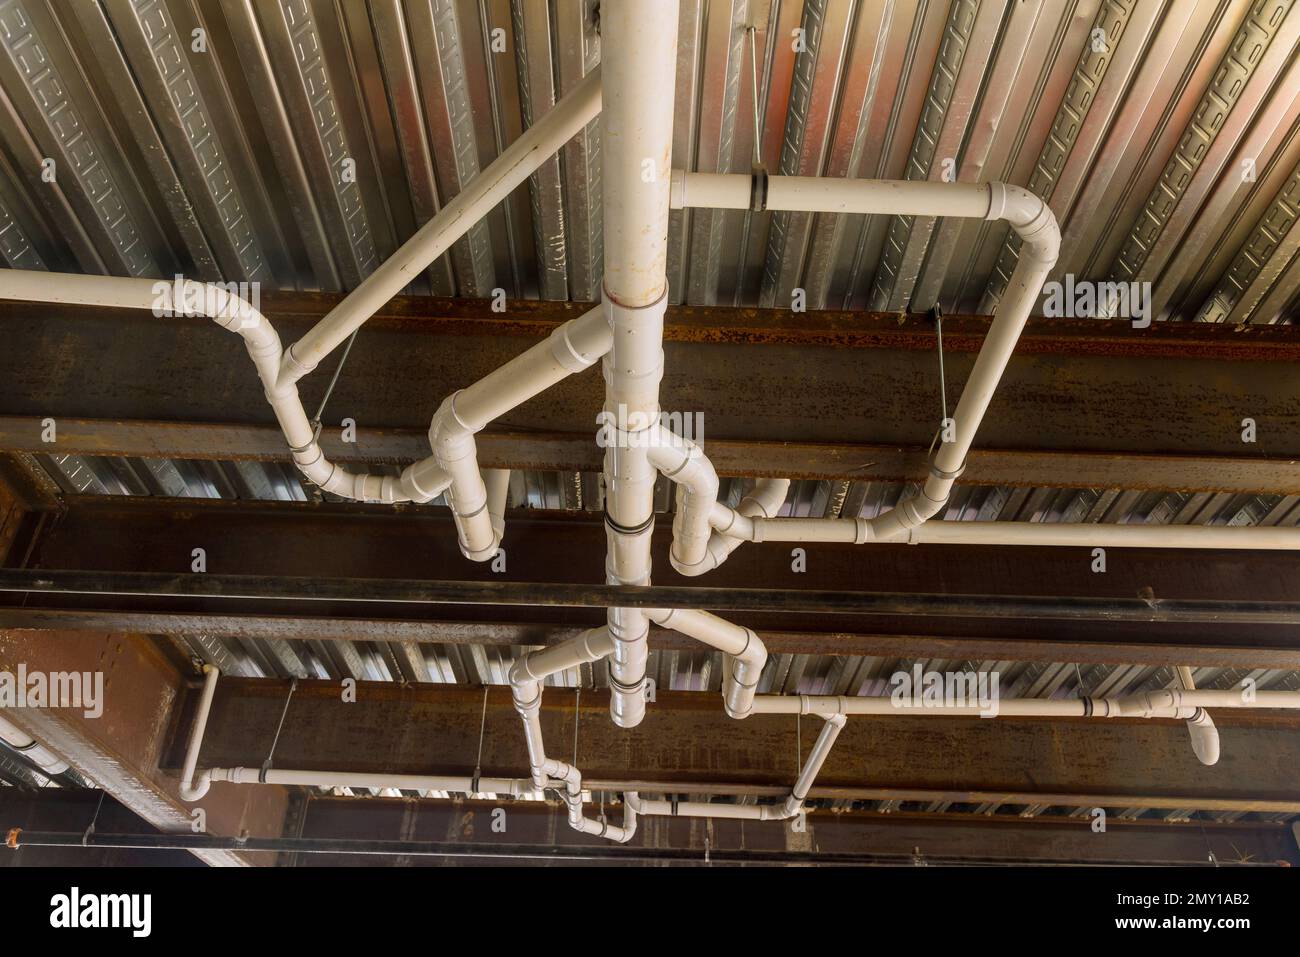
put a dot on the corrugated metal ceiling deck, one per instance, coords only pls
(297, 143)
(307, 138)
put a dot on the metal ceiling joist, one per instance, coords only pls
(358, 549)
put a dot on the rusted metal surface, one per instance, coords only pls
(1164, 392)
(688, 745)
(13, 511)
(577, 452)
(121, 749)
(898, 837)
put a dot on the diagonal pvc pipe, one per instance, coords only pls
(790, 807)
(485, 191)
(572, 347)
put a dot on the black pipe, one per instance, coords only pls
(371, 591)
(610, 853)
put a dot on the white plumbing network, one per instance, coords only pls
(625, 332)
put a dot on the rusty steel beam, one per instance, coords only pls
(338, 831)
(120, 749)
(1108, 402)
(288, 540)
(687, 745)
(577, 452)
(13, 511)
(899, 837)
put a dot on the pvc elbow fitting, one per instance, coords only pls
(194, 791)
(1030, 217)
(706, 564)
(1205, 737)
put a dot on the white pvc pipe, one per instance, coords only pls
(1200, 726)
(1165, 703)
(830, 194)
(527, 679)
(484, 192)
(192, 790)
(649, 807)
(529, 672)
(812, 767)
(859, 530)
(1102, 534)
(789, 808)
(1028, 216)
(188, 298)
(497, 483)
(685, 463)
(639, 57)
(572, 347)
(745, 650)
(462, 784)
(35, 752)
(764, 501)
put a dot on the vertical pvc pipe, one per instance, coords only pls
(190, 790)
(639, 64)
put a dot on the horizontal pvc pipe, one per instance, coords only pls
(1164, 703)
(762, 529)
(648, 807)
(859, 530)
(711, 190)
(114, 292)
(461, 784)
(478, 197)
(829, 194)
(22, 742)
(1102, 534)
